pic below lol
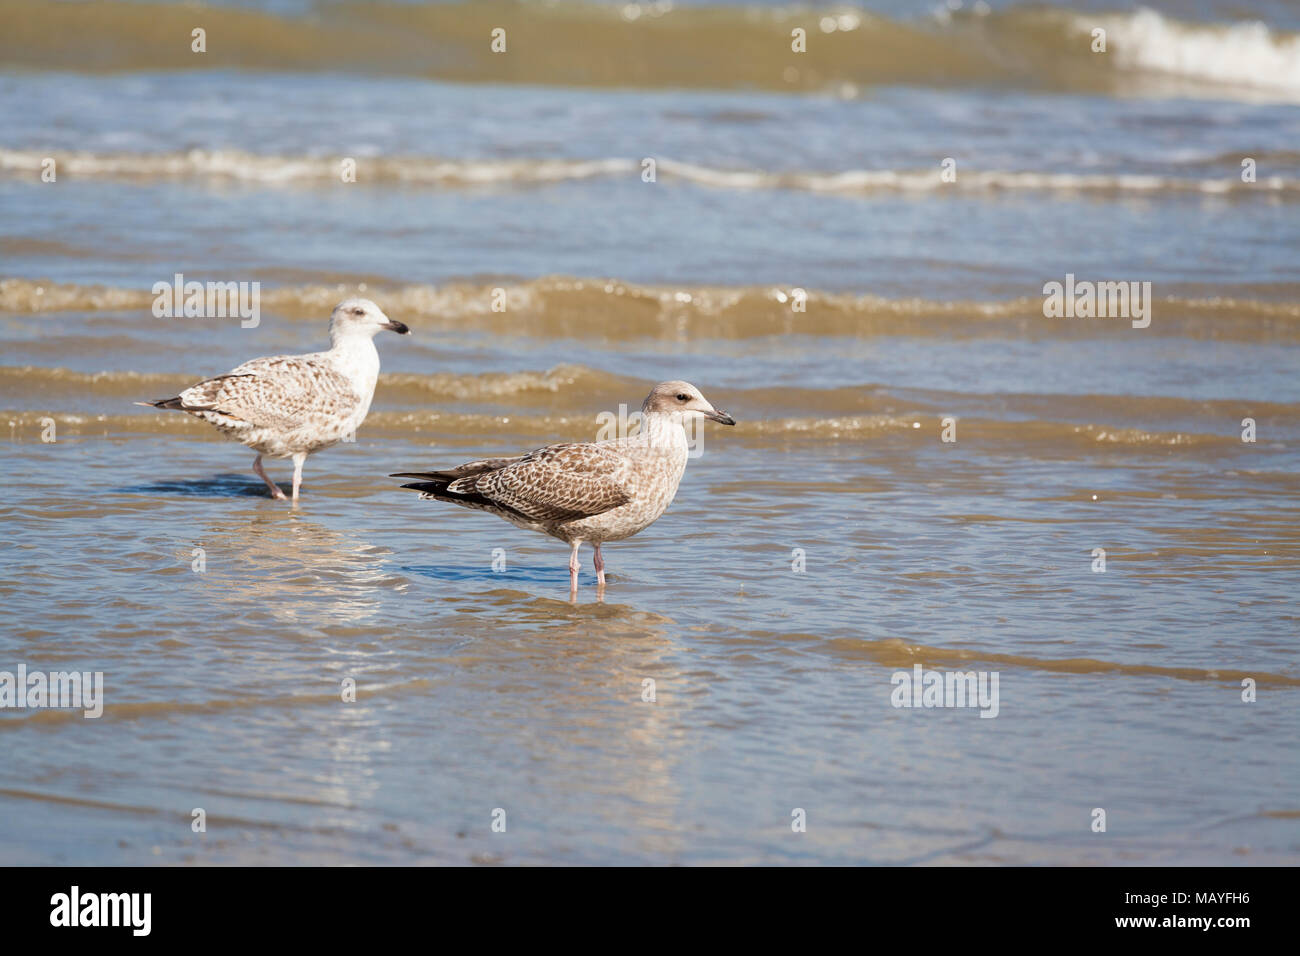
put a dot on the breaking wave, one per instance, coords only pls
(660, 44)
(612, 309)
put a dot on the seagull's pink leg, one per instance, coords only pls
(275, 489)
(599, 562)
(573, 569)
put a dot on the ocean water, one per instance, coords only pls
(801, 256)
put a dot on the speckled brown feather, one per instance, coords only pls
(282, 392)
(556, 483)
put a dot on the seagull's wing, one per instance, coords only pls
(555, 483)
(281, 392)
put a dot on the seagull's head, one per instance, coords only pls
(681, 402)
(361, 317)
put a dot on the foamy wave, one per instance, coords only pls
(611, 309)
(233, 164)
(519, 387)
(575, 43)
(524, 387)
(781, 410)
(241, 166)
(1041, 434)
(865, 181)
(418, 423)
(1244, 55)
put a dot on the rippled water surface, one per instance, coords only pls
(798, 257)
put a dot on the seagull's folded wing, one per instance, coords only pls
(557, 483)
(282, 393)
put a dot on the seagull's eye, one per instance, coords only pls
(358, 311)
(681, 398)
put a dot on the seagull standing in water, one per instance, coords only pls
(584, 491)
(288, 406)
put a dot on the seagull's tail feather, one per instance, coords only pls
(443, 477)
(434, 486)
(178, 404)
(429, 485)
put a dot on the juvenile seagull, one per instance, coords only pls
(584, 491)
(288, 406)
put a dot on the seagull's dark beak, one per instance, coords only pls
(393, 325)
(722, 418)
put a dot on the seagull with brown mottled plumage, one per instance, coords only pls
(584, 491)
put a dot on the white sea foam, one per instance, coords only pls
(465, 173)
(1244, 56)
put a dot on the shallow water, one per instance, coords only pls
(829, 541)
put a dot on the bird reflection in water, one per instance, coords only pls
(298, 570)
